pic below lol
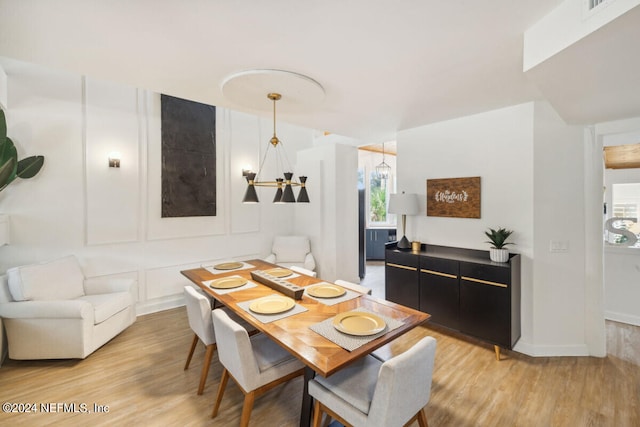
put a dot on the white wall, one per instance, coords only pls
(110, 218)
(331, 220)
(530, 164)
(565, 25)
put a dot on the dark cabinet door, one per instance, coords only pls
(401, 279)
(485, 302)
(439, 290)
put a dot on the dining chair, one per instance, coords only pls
(376, 394)
(303, 270)
(201, 323)
(353, 286)
(256, 364)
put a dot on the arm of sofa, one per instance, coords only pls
(107, 285)
(54, 309)
(309, 262)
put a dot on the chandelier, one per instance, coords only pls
(383, 169)
(284, 186)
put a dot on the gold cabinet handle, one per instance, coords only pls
(484, 282)
(402, 266)
(437, 273)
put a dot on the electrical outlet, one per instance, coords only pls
(559, 246)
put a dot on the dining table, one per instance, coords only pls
(309, 330)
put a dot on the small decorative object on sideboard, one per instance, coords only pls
(497, 238)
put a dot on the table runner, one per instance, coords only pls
(268, 318)
(352, 342)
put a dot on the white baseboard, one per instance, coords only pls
(622, 318)
(157, 305)
(551, 350)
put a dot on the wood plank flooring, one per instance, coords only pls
(139, 375)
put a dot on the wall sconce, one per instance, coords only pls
(114, 159)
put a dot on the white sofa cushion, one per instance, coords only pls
(106, 305)
(291, 248)
(60, 279)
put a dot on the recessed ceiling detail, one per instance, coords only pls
(249, 89)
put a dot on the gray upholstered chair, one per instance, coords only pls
(256, 364)
(353, 286)
(288, 251)
(201, 323)
(375, 394)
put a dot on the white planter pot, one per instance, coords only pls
(499, 255)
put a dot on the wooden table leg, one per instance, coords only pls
(307, 400)
(497, 350)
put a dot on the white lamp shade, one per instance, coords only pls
(403, 204)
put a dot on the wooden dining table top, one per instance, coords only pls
(293, 333)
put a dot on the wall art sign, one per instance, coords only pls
(454, 197)
(188, 158)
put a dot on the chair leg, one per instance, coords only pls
(193, 347)
(223, 384)
(205, 367)
(247, 408)
(317, 414)
(422, 419)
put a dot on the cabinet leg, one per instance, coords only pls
(497, 350)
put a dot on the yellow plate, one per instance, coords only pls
(272, 304)
(228, 266)
(358, 323)
(228, 282)
(326, 290)
(279, 272)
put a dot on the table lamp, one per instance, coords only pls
(404, 204)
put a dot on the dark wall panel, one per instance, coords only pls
(188, 158)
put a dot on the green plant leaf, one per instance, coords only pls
(498, 237)
(3, 127)
(7, 172)
(29, 167)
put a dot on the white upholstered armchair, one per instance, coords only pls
(290, 251)
(50, 311)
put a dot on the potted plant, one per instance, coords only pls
(497, 238)
(10, 167)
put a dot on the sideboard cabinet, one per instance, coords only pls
(461, 288)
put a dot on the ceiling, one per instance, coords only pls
(384, 66)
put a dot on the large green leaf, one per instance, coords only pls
(7, 172)
(3, 127)
(29, 167)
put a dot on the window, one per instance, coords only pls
(624, 215)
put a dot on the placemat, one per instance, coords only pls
(268, 318)
(247, 285)
(211, 269)
(352, 342)
(332, 301)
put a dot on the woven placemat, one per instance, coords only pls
(352, 342)
(247, 285)
(267, 318)
(332, 301)
(211, 269)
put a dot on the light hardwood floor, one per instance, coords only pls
(139, 375)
